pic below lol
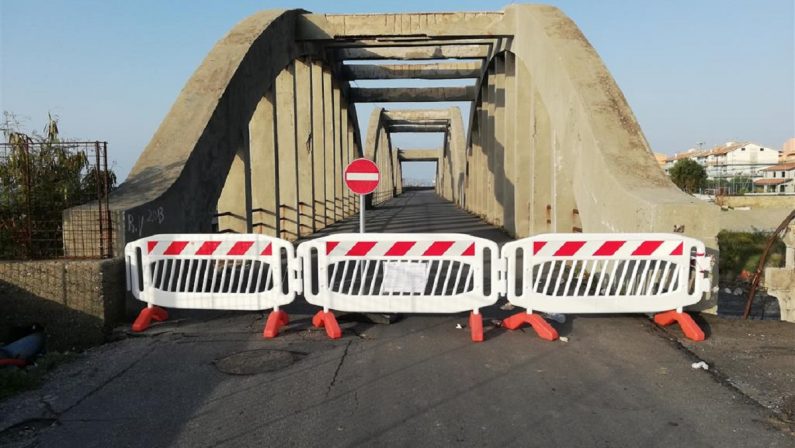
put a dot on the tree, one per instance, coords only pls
(40, 176)
(688, 175)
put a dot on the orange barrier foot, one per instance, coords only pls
(146, 317)
(689, 327)
(542, 328)
(476, 326)
(326, 319)
(276, 320)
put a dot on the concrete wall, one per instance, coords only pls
(782, 202)
(76, 301)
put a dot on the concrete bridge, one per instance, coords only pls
(258, 137)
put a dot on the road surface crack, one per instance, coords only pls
(339, 366)
(108, 381)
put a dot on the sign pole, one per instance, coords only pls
(362, 177)
(361, 213)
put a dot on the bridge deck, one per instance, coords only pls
(420, 381)
(419, 211)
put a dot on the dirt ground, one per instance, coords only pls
(756, 357)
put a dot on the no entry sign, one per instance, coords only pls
(362, 176)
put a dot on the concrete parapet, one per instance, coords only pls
(77, 301)
(780, 282)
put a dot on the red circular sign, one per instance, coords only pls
(362, 176)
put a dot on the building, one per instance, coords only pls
(777, 179)
(661, 159)
(788, 151)
(731, 159)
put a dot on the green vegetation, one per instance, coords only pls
(688, 175)
(40, 176)
(740, 251)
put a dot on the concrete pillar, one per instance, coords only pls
(303, 139)
(542, 167)
(318, 147)
(333, 171)
(457, 139)
(264, 167)
(352, 151)
(500, 201)
(479, 165)
(286, 143)
(339, 193)
(520, 107)
(487, 139)
(493, 208)
(508, 123)
(346, 156)
(234, 203)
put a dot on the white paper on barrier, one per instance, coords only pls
(401, 278)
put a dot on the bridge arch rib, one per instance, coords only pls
(216, 159)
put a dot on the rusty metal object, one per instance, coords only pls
(762, 260)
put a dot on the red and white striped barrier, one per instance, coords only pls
(212, 271)
(400, 273)
(605, 273)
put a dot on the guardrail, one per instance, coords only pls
(422, 273)
(604, 273)
(213, 271)
(400, 273)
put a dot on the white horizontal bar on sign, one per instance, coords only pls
(362, 176)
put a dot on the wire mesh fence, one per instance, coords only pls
(54, 195)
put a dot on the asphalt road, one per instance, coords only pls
(618, 381)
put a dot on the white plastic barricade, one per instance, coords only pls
(400, 273)
(606, 273)
(212, 271)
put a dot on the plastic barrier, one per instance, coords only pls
(606, 273)
(212, 271)
(400, 273)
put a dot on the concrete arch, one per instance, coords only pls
(229, 104)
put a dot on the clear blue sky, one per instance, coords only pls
(693, 71)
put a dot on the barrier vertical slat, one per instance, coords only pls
(447, 277)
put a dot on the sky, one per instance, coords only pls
(705, 71)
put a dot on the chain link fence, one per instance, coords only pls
(53, 195)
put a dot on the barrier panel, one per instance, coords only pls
(606, 273)
(212, 271)
(400, 273)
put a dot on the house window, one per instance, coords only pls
(761, 149)
(743, 149)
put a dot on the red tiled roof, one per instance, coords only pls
(724, 149)
(780, 167)
(770, 181)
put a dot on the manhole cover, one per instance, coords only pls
(253, 362)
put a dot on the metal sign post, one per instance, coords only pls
(361, 213)
(362, 177)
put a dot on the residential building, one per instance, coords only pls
(788, 151)
(731, 159)
(777, 179)
(661, 159)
